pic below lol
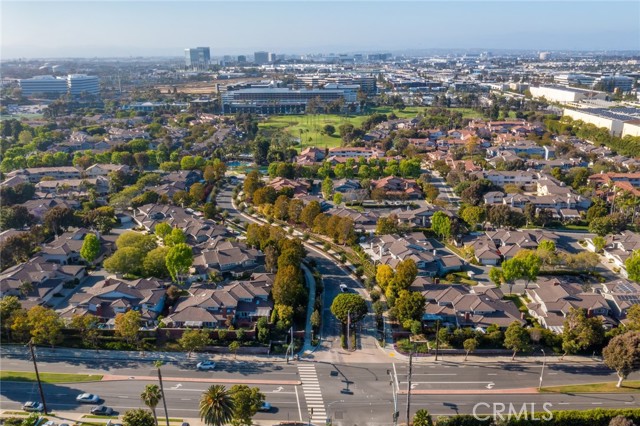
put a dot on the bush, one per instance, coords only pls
(343, 341)
(375, 296)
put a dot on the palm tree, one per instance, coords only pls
(216, 406)
(151, 396)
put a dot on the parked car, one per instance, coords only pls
(102, 410)
(265, 407)
(88, 397)
(344, 288)
(33, 406)
(206, 365)
(50, 423)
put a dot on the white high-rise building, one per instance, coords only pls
(81, 83)
(43, 84)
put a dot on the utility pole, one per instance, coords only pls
(409, 387)
(158, 364)
(437, 338)
(35, 367)
(544, 361)
(349, 330)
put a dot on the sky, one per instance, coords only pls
(115, 28)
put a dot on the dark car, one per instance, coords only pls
(102, 410)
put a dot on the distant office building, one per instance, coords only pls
(44, 84)
(367, 83)
(544, 56)
(280, 100)
(197, 57)
(612, 82)
(242, 59)
(260, 58)
(80, 83)
(272, 57)
(618, 121)
(572, 79)
(566, 94)
(73, 84)
(379, 57)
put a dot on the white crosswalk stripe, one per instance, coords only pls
(312, 392)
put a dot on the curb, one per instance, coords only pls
(114, 378)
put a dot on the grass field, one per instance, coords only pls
(308, 128)
(23, 376)
(609, 387)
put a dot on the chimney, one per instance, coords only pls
(589, 313)
(467, 316)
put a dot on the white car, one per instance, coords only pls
(206, 365)
(344, 288)
(33, 406)
(88, 397)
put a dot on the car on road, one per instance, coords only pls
(265, 407)
(206, 365)
(50, 423)
(102, 410)
(344, 288)
(33, 406)
(88, 397)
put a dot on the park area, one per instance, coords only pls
(309, 128)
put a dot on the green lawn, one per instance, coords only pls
(518, 301)
(629, 386)
(23, 376)
(309, 127)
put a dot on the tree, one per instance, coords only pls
(406, 273)
(135, 239)
(328, 129)
(517, 338)
(198, 191)
(622, 354)
(251, 183)
(327, 188)
(409, 306)
(633, 318)
(216, 406)
(309, 213)
(349, 305)
(337, 198)
(601, 226)
(316, 319)
(194, 340)
(233, 348)
(59, 219)
(384, 276)
(281, 207)
(422, 418)
(178, 260)
(87, 325)
(632, 264)
(45, 325)
(266, 195)
(127, 326)
(175, 237)
(529, 264)
(295, 209)
(151, 396)
(496, 276)
(246, 403)
(127, 260)
(599, 243)
(431, 191)
(472, 215)
(580, 331)
(387, 225)
(138, 417)
(9, 305)
(90, 248)
(154, 263)
(287, 287)
(162, 229)
(441, 224)
(470, 346)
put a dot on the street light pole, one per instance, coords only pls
(349, 330)
(395, 398)
(544, 361)
(409, 387)
(35, 367)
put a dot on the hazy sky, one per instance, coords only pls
(145, 28)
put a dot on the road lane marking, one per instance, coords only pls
(298, 400)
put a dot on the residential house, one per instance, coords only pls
(104, 169)
(621, 295)
(397, 187)
(223, 256)
(35, 174)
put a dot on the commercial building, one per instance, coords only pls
(44, 84)
(280, 100)
(566, 94)
(367, 83)
(272, 57)
(260, 57)
(197, 57)
(73, 84)
(618, 121)
(80, 83)
(612, 82)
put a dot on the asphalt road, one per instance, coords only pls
(371, 390)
